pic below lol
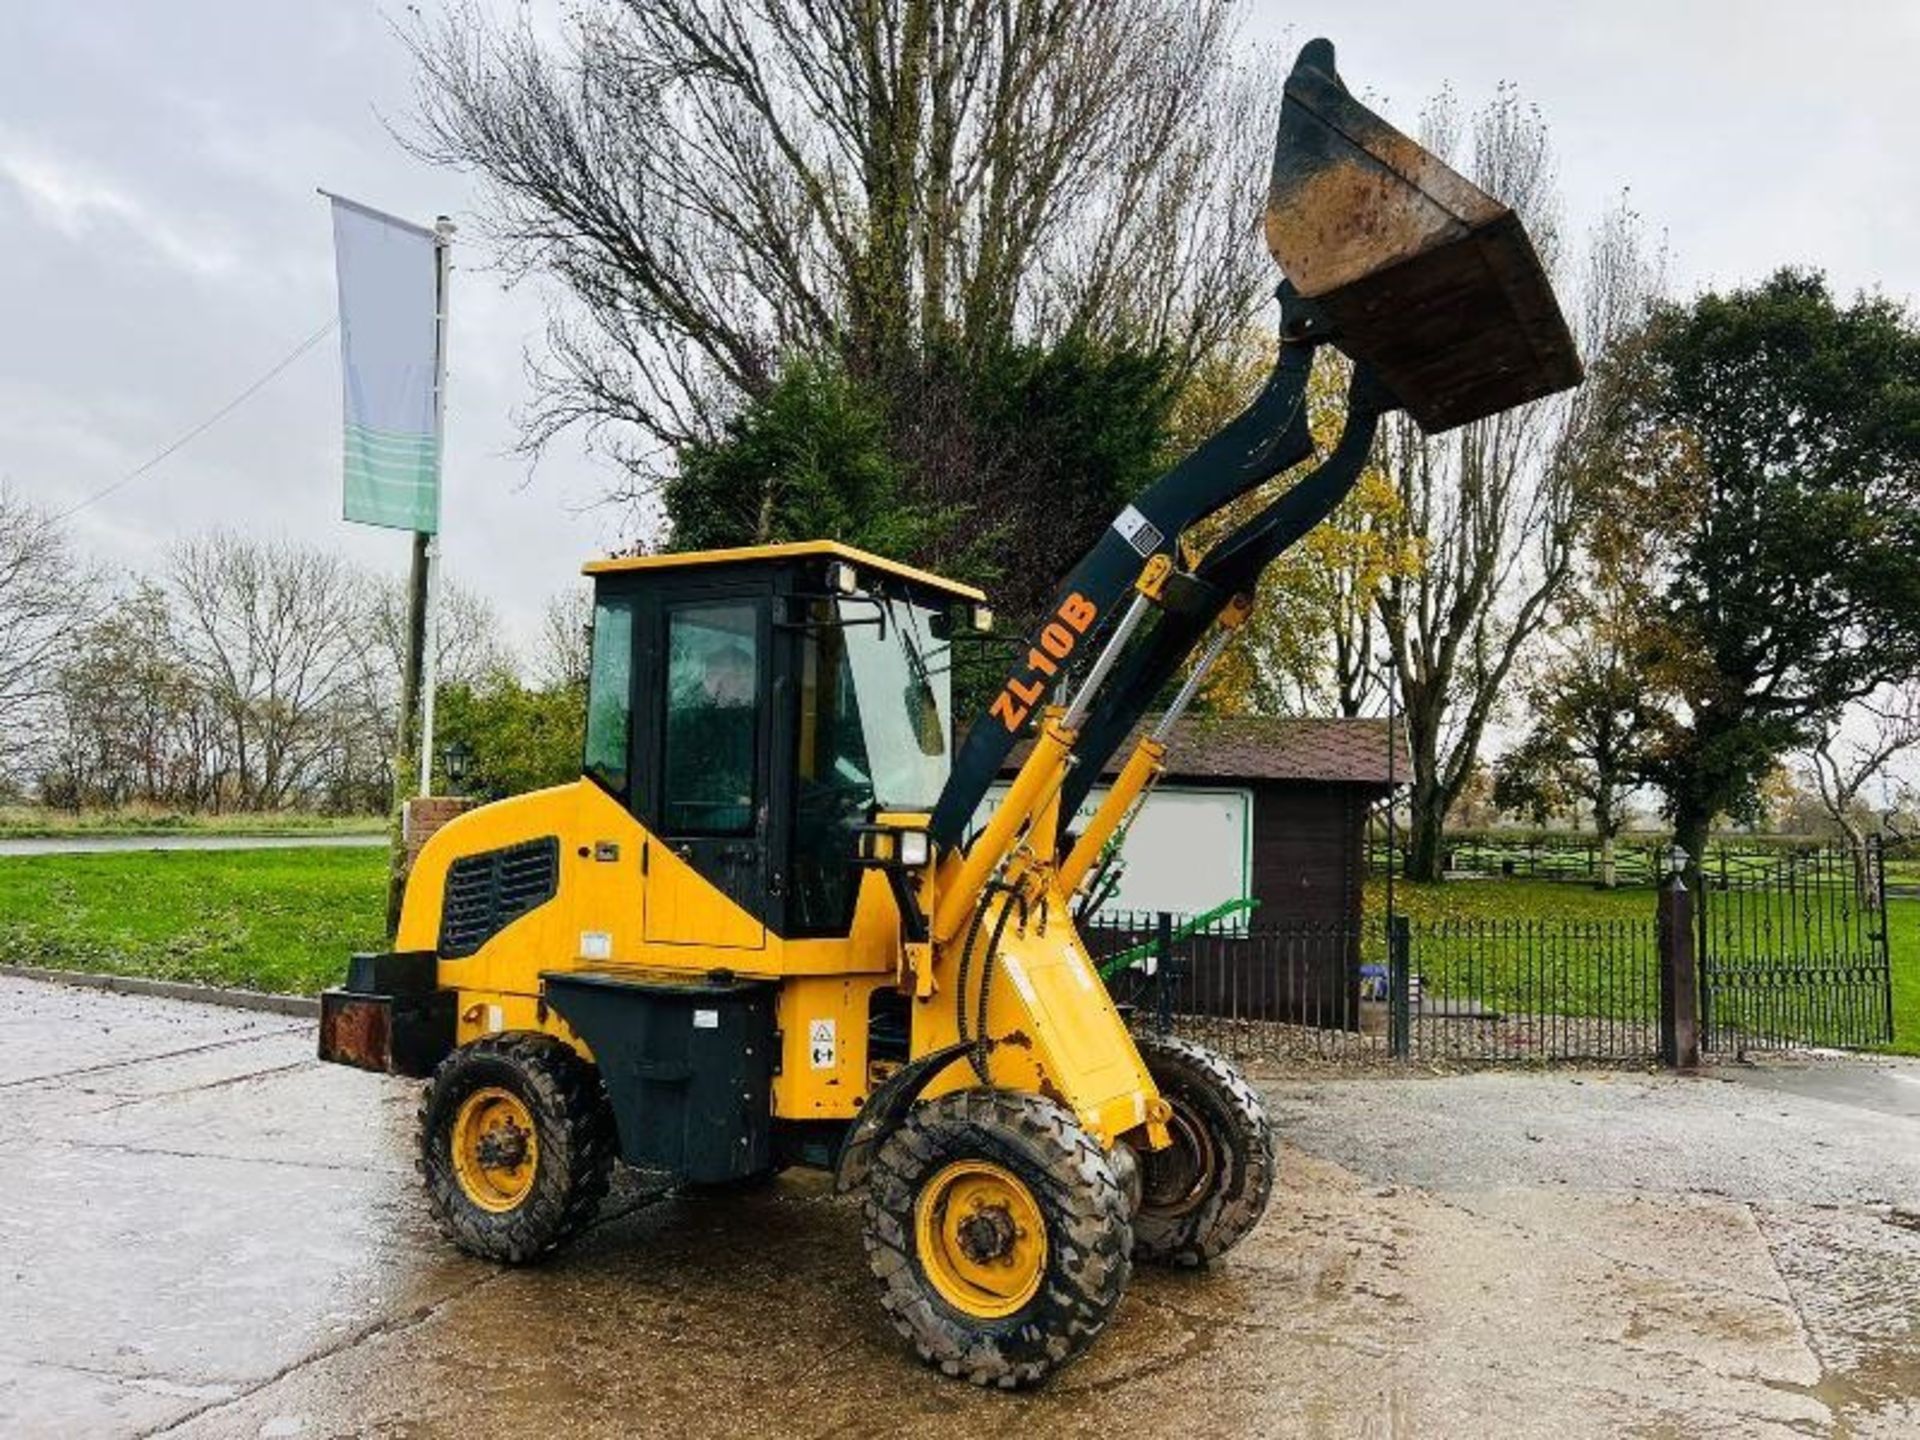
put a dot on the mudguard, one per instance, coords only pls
(885, 1109)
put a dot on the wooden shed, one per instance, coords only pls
(1272, 809)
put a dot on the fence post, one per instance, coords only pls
(1399, 1008)
(1163, 972)
(1679, 975)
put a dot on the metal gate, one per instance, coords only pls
(1793, 951)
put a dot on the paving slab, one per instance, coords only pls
(56, 1031)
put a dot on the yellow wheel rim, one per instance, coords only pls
(495, 1149)
(981, 1238)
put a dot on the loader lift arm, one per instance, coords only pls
(1268, 437)
(1230, 570)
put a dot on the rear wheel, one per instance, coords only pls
(1203, 1194)
(998, 1234)
(516, 1146)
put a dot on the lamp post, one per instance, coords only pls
(1677, 863)
(454, 758)
(1680, 997)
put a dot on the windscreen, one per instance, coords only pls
(903, 690)
(875, 698)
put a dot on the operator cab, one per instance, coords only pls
(756, 708)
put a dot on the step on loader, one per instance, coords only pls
(773, 924)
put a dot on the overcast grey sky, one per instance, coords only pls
(163, 243)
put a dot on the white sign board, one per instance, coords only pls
(1190, 848)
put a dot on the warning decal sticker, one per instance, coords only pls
(822, 1044)
(1138, 531)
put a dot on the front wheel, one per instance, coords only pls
(1203, 1194)
(516, 1145)
(998, 1234)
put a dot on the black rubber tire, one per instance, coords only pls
(1201, 1199)
(1085, 1213)
(576, 1145)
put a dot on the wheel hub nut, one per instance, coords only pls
(987, 1235)
(502, 1149)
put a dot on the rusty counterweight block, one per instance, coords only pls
(1420, 272)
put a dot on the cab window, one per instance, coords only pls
(610, 694)
(711, 784)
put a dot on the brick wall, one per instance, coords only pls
(424, 815)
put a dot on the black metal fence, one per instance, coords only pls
(1392, 989)
(1791, 953)
(1795, 953)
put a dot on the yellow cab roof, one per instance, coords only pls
(794, 550)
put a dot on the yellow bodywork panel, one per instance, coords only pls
(1057, 1031)
(1054, 1027)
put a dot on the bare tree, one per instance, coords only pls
(717, 184)
(1854, 749)
(1497, 504)
(267, 631)
(469, 641)
(44, 597)
(126, 723)
(566, 640)
(470, 646)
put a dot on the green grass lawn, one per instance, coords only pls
(35, 822)
(276, 920)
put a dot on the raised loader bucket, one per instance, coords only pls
(1421, 273)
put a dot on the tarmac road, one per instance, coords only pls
(207, 1233)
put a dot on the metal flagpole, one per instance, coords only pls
(443, 229)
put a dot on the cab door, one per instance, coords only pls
(710, 703)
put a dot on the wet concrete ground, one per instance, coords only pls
(209, 1234)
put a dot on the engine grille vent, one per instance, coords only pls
(487, 892)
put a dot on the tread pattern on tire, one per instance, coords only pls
(1089, 1242)
(576, 1139)
(1236, 1116)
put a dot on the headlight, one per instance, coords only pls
(914, 848)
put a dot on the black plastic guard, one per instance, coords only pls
(885, 1109)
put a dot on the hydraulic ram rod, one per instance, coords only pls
(1138, 776)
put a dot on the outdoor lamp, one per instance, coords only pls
(453, 760)
(1676, 860)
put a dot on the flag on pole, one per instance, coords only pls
(389, 273)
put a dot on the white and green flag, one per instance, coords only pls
(389, 276)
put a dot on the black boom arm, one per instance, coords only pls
(1231, 568)
(1266, 438)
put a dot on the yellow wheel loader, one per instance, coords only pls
(771, 925)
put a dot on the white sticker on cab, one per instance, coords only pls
(706, 1019)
